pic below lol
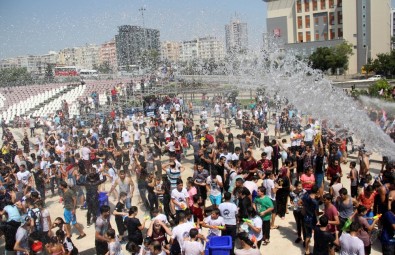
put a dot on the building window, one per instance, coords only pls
(315, 5)
(340, 17)
(300, 37)
(323, 4)
(299, 6)
(332, 34)
(332, 18)
(308, 36)
(317, 36)
(307, 21)
(300, 25)
(339, 3)
(316, 21)
(331, 3)
(325, 36)
(306, 5)
(325, 19)
(340, 32)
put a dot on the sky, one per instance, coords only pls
(38, 26)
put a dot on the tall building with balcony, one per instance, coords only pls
(189, 50)
(70, 56)
(236, 36)
(132, 41)
(305, 25)
(170, 51)
(210, 48)
(89, 58)
(202, 48)
(108, 54)
(35, 65)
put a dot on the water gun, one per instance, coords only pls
(147, 217)
(221, 227)
(377, 216)
(247, 220)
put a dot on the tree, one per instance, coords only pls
(15, 76)
(380, 88)
(385, 63)
(49, 76)
(321, 59)
(325, 58)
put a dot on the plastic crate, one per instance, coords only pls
(219, 245)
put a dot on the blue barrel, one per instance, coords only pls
(219, 245)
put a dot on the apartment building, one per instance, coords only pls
(236, 36)
(108, 53)
(170, 51)
(305, 25)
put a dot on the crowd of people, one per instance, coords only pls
(227, 192)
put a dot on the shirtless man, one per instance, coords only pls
(125, 185)
(363, 166)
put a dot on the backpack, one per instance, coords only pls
(67, 244)
(35, 215)
(227, 181)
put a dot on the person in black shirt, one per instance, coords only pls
(244, 202)
(324, 241)
(231, 144)
(119, 212)
(134, 226)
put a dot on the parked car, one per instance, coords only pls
(376, 77)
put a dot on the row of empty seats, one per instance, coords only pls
(24, 106)
(70, 97)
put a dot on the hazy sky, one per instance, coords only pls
(37, 26)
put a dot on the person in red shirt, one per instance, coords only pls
(331, 212)
(334, 169)
(265, 163)
(114, 94)
(112, 114)
(249, 164)
(367, 198)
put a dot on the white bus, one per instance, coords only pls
(85, 73)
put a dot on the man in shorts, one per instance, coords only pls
(70, 203)
(310, 213)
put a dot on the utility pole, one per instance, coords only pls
(142, 10)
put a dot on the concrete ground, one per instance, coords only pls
(282, 239)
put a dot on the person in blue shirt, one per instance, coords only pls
(387, 234)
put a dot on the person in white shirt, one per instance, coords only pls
(309, 135)
(193, 246)
(350, 244)
(179, 125)
(214, 185)
(137, 137)
(229, 211)
(125, 137)
(268, 149)
(214, 223)
(181, 231)
(180, 197)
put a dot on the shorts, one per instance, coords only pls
(319, 178)
(215, 200)
(69, 217)
(309, 229)
(274, 206)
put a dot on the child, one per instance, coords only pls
(156, 249)
(214, 223)
(114, 246)
(119, 212)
